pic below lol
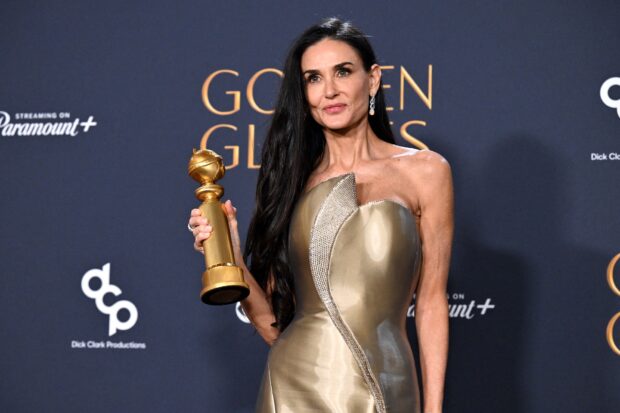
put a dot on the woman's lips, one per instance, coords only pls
(334, 109)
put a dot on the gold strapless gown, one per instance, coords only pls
(356, 267)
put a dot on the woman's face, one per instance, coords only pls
(337, 85)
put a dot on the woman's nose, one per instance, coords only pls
(331, 89)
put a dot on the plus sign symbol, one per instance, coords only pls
(612, 284)
(486, 306)
(88, 124)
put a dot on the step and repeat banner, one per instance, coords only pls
(101, 104)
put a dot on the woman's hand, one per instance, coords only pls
(231, 215)
(202, 229)
(257, 305)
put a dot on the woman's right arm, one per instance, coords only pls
(257, 305)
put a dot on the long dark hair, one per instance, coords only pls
(292, 150)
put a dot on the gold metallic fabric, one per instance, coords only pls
(346, 350)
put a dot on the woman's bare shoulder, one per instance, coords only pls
(420, 162)
(421, 175)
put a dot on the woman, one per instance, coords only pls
(343, 218)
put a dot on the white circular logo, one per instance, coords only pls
(103, 275)
(607, 100)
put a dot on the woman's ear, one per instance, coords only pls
(375, 79)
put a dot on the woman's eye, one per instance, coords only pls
(312, 79)
(343, 72)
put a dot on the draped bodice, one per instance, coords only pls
(372, 259)
(355, 268)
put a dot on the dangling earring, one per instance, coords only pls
(371, 112)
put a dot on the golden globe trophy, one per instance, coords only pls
(222, 282)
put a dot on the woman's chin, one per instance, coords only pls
(340, 126)
(336, 124)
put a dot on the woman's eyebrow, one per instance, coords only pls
(343, 64)
(337, 66)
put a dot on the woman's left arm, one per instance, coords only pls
(436, 205)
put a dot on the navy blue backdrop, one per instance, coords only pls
(102, 102)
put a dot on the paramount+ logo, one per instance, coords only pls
(105, 288)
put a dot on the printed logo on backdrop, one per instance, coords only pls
(606, 93)
(224, 89)
(44, 124)
(458, 307)
(461, 307)
(610, 84)
(103, 287)
(611, 337)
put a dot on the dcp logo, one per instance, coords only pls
(607, 100)
(106, 287)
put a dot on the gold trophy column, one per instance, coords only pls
(222, 282)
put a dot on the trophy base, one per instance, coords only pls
(223, 285)
(224, 295)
